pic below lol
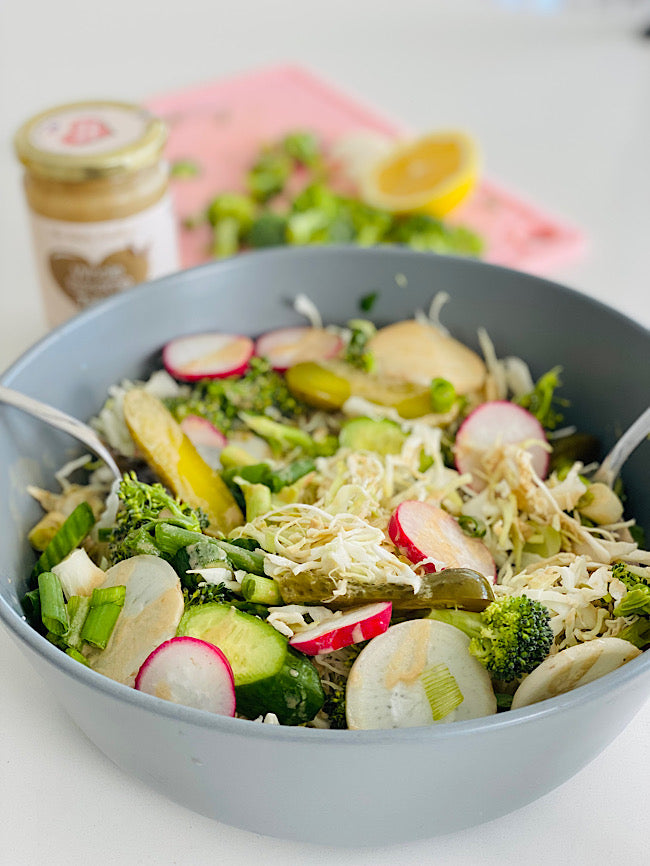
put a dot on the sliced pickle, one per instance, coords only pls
(328, 385)
(177, 463)
(452, 587)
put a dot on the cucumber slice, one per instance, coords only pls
(366, 434)
(269, 677)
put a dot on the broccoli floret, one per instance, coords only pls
(428, 234)
(356, 352)
(221, 400)
(303, 148)
(510, 638)
(268, 230)
(269, 174)
(143, 507)
(540, 401)
(623, 572)
(231, 216)
(283, 437)
(334, 707)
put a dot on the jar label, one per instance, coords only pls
(81, 263)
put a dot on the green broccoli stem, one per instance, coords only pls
(467, 621)
(171, 539)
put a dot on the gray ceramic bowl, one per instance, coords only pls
(330, 787)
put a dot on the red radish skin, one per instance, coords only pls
(421, 530)
(207, 356)
(201, 432)
(354, 626)
(493, 423)
(288, 346)
(188, 671)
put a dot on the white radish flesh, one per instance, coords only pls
(495, 423)
(288, 346)
(206, 438)
(336, 632)
(153, 606)
(207, 356)
(573, 667)
(417, 352)
(386, 686)
(78, 574)
(422, 531)
(191, 672)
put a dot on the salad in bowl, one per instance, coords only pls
(341, 526)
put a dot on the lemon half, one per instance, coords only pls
(432, 175)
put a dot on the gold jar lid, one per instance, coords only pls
(87, 140)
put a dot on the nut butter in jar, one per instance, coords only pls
(97, 188)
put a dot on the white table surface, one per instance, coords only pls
(560, 104)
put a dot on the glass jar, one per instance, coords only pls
(97, 188)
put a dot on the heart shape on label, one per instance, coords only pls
(85, 282)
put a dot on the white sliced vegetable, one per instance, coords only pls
(601, 504)
(189, 671)
(573, 667)
(338, 631)
(423, 531)
(153, 606)
(207, 356)
(498, 422)
(78, 574)
(410, 675)
(417, 352)
(288, 346)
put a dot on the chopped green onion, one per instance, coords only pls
(471, 526)
(72, 532)
(78, 608)
(443, 395)
(367, 302)
(257, 499)
(260, 590)
(31, 605)
(105, 606)
(441, 690)
(546, 542)
(53, 610)
(76, 655)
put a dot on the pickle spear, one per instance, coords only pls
(329, 384)
(452, 587)
(177, 463)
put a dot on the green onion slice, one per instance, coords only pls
(441, 690)
(53, 610)
(72, 532)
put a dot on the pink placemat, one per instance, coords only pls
(222, 125)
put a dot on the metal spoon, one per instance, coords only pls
(608, 470)
(62, 421)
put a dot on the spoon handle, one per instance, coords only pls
(608, 470)
(62, 421)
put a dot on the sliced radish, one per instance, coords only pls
(417, 673)
(423, 531)
(207, 356)
(497, 423)
(189, 671)
(354, 626)
(201, 432)
(288, 346)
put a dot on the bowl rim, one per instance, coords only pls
(609, 684)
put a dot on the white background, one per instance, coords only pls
(560, 104)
